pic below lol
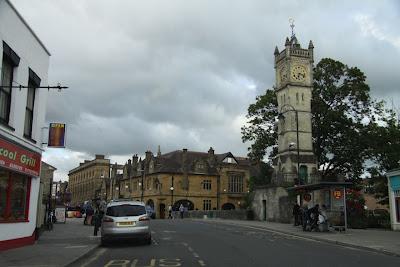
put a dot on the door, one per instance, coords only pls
(264, 210)
(162, 211)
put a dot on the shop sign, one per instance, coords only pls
(16, 158)
(337, 193)
(307, 197)
(56, 135)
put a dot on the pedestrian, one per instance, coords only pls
(181, 210)
(169, 212)
(305, 218)
(97, 221)
(296, 214)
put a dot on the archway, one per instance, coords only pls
(186, 203)
(228, 206)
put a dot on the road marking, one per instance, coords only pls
(166, 231)
(201, 263)
(190, 249)
(185, 244)
(195, 255)
(95, 257)
(166, 238)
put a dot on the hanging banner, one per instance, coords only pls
(56, 135)
(17, 158)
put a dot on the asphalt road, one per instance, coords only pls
(201, 243)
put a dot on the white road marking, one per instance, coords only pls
(190, 249)
(195, 255)
(166, 238)
(185, 244)
(95, 257)
(202, 263)
(166, 231)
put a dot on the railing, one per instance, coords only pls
(300, 52)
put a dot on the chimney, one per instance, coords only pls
(134, 164)
(211, 156)
(99, 156)
(148, 155)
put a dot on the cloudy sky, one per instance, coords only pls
(181, 74)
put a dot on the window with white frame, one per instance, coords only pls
(207, 204)
(235, 183)
(33, 83)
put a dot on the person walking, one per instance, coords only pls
(98, 216)
(181, 210)
(169, 212)
(296, 214)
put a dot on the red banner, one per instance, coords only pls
(16, 158)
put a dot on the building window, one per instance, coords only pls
(207, 184)
(207, 204)
(14, 192)
(7, 72)
(235, 184)
(29, 109)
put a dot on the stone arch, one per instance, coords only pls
(185, 202)
(228, 206)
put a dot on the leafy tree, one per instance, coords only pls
(349, 128)
(261, 176)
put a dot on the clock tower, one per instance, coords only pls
(294, 79)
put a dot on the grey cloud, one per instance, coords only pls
(182, 73)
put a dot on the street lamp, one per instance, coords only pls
(172, 191)
(282, 117)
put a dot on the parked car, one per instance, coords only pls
(125, 220)
(150, 212)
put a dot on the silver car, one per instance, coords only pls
(125, 220)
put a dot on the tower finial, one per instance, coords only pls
(291, 21)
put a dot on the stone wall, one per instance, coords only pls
(221, 214)
(277, 207)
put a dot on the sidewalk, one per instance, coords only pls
(65, 244)
(384, 241)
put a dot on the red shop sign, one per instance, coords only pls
(16, 158)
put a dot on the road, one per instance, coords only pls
(201, 243)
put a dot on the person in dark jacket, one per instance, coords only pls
(98, 216)
(296, 214)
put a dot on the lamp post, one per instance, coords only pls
(142, 183)
(281, 116)
(172, 191)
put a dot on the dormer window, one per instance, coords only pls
(230, 160)
(200, 166)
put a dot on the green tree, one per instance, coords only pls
(349, 128)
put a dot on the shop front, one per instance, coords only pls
(394, 198)
(19, 189)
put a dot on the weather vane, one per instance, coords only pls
(291, 21)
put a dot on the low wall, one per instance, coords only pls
(221, 214)
(272, 204)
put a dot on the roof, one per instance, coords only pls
(29, 28)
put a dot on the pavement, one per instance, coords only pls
(378, 240)
(63, 245)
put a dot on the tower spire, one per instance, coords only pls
(291, 21)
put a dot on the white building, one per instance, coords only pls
(394, 198)
(24, 61)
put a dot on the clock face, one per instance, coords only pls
(299, 73)
(283, 74)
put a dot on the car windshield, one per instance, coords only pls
(125, 210)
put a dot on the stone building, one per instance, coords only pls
(197, 180)
(85, 181)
